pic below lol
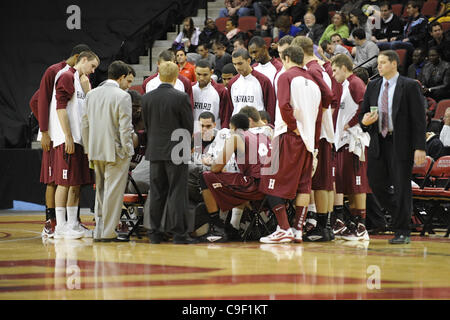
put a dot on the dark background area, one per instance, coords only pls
(34, 35)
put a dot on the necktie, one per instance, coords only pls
(384, 110)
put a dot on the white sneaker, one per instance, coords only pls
(360, 233)
(87, 233)
(72, 232)
(60, 230)
(279, 236)
(298, 235)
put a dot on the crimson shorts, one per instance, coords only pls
(47, 166)
(323, 177)
(231, 189)
(351, 174)
(290, 169)
(72, 169)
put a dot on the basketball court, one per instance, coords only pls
(37, 269)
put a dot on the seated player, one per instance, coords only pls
(226, 190)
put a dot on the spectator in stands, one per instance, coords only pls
(414, 32)
(221, 58)
(204, 54)
(440, 40)
(264, 63)
(311, 29)
(363, 74)
(238, 8)
(186, 68)
(418, 61)
(339, 25)
(357, 19)
(210, 33)
(328, 50)
(364, 50)
(445, 132)
(238, 44)
(285, 27)
(434, 146)
(276, 9)
(435, 77)
(349, 5)
(233, 32)
(188, 38)
(228, 72)
(297, 10)
(337, 39)
(390, 25)
(320, 11)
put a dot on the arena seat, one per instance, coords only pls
(402, 55)
(132, 216)
(440, 109)
(429, 8)
(397, 9)
(221, 23)
(435, 196)
(247, 23)
(421, 173)
(445, 26)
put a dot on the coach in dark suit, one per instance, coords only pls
(397, 132)
(169, 122)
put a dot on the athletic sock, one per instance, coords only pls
(50, 214)
(281, 215)
(359, 215)
(72, 215)
(60, 213)
(236, 215)
(300, 217)
(322, 219)
(312, 207)
(339, 212)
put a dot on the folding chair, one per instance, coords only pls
(262, 221)
(132, 217)
(436, 196)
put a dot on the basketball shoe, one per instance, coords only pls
(338, 228)
(49, 228)
(279, 236)
(356, 233)
(298, 235)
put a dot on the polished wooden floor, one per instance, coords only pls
(32, 268)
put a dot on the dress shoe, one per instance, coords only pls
(155, 238)
(184, 240)
(400, 239)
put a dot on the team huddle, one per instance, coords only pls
(308, 153)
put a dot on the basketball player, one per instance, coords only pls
(40, 106)
(265, 64)
(183, 84)
(351, 167)
(226, 190)
(209, 96)
(322, 182)
(290, 172)
(250, 87)
(71, 163)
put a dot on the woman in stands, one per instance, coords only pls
(338, 25)
(188, 37)
(357, 19)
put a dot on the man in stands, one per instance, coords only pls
(288, 176)
(435, 76)
(210, 96)
(440, 40)
(390, 25)
(186, 68)
(183, 84)
(40, 106)
(365, 49)
(222, 58)
(265, 64)
(250, 87)
(71, 163)
(351, 168)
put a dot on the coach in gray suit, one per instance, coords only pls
(107, 134)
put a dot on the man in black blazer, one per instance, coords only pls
(169, 122)
(393, 113)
